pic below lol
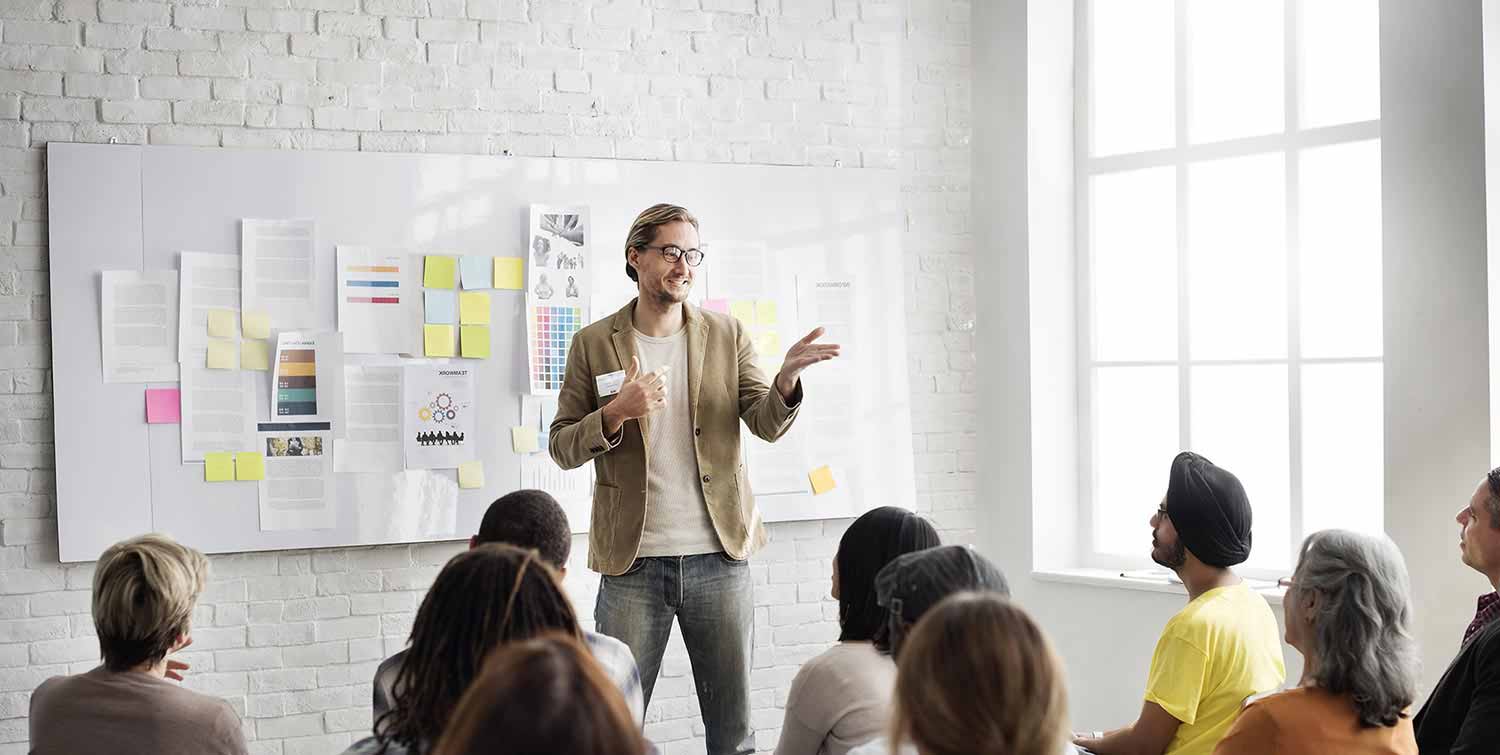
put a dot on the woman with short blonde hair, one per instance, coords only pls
(145, 589)
(977, 677)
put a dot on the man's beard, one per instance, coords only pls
(1174, 559)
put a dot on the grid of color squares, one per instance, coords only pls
(552, 329)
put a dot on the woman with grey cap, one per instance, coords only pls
(1220, 649)
(1348, 611)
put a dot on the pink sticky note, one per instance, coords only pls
(163, 406)
(716, 305)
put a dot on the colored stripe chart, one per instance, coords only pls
(296, 392)
(552, 330)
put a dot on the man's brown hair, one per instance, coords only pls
(643, 230)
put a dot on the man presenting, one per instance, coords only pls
(654, 395)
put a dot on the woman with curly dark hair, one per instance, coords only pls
(483, 598)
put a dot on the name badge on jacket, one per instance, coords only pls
(609, 384)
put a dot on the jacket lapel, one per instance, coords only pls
(624, 343)
(697, 335)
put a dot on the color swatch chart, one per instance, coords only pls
(375, 284)
(296, 383)
(552, 330)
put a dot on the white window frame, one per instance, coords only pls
(1289, 143)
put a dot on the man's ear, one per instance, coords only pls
(562, 573)
(473, 542)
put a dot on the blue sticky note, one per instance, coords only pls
(476, 272)
(440, 306)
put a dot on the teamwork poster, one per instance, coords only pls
(437, 419)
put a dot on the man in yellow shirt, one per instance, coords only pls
(1225, 645)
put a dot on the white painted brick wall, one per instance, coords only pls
(292, 639)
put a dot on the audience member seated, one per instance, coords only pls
(1462, 715)
(144, 592)
(842, 697)
(533, 519)
(546, 695)
(483, 598)
(978, 676)
(911, 584)
(1348, 611)
(1221, 649)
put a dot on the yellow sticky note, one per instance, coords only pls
(765, 311)
(523, 440)
(769, 344)
(221, 323)
(218, 466)
(474, 341)
(439, 271)
(821, 479)
(249, 465)
(221, 355)
(510, 272)
(256, 324)
(255, 355)
(744, 311)
(474, 308)
(471, 474)
(438, 340)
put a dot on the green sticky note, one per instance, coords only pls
(221, 323)
(218, 466)
(744, 311)
(523, 440)
(471, 475)
(474, 341)
(249, 465)
(474, 308)
(438, 340)
(256, 324)
(510, 273)
(222, 356)
(439, 271)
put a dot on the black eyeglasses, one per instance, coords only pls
(672, 253)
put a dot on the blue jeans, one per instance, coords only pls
(710, 596)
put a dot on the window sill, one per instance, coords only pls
(1112, 579)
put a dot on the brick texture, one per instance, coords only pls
(292, 639)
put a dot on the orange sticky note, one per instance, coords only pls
(821, 479)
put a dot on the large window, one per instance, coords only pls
(1228, 157)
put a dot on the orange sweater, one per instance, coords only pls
(1311, 721)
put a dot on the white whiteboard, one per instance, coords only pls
(125, 207)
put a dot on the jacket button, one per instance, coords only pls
(697, 431)
(706, 479)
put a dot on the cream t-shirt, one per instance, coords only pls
(677, 522)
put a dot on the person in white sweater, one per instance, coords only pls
(841, 698)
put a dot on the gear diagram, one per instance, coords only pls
(442, 410)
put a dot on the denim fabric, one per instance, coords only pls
(710, 596)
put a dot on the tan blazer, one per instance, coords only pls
(724, 386)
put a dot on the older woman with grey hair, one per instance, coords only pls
(1348, 611)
